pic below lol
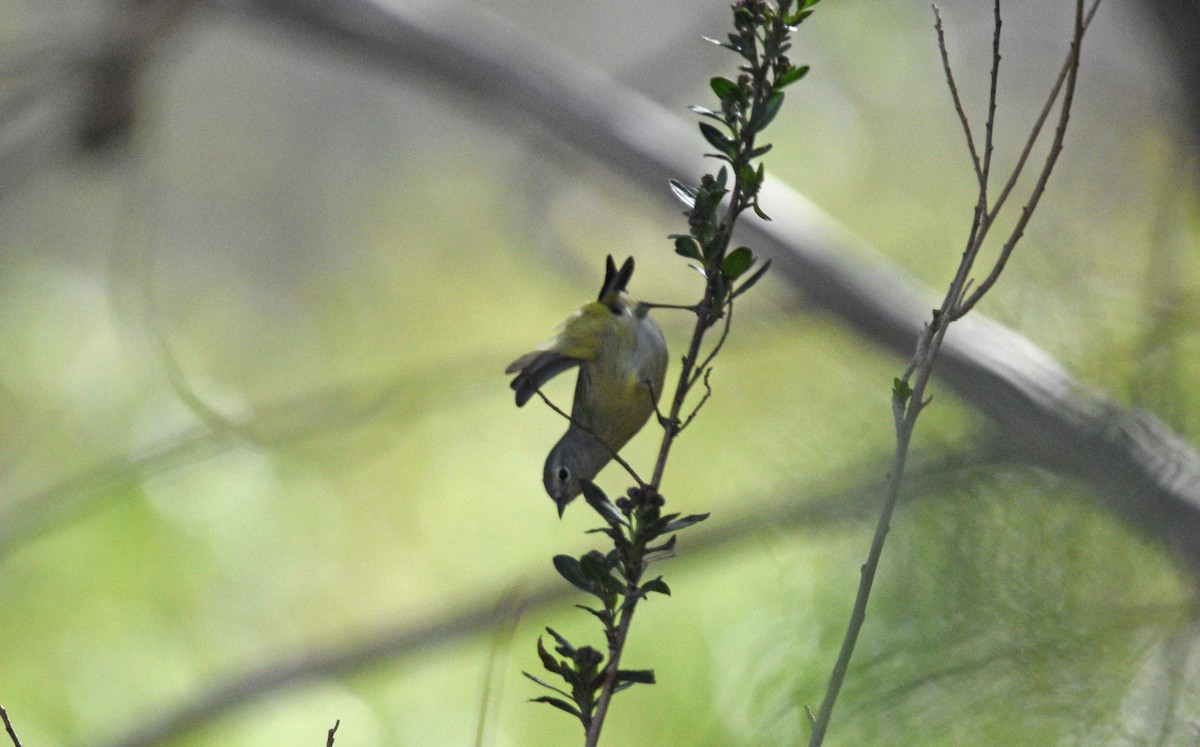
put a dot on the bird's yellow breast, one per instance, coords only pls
(620, 383)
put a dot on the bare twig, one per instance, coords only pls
(696, 409)
(958, 106)
(990, 128)
(678, 307)
(1068, 73)
(8, 727)
(703, 366)
(908, 401)
(332, 731)
(1045, 113)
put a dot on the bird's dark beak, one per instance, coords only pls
(562, 506)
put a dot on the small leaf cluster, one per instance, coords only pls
(747, 106)
(641, 534)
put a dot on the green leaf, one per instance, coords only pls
(766, 114)
(707, 113)
(594, 569)
(596, 498)
(655, 585)
(759, 152)
(759, 211)
(750, 281)
(684, 523)
(722, 86)
(640, 676)
(715, 138)
(686, 194)
(603, 615)
(564, 646)
(901, 390)
(790, 76)
(721, 180)
(570, 569)
(545, 684)
(627, 678)
(736, 263)
(666, 547)
(686, 246)
(559, 704)
(549, 662)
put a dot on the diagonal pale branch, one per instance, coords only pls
(1143, 471)
(1146, 474)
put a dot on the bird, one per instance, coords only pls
(622, 359)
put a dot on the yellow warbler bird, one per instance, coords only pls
(622, 358)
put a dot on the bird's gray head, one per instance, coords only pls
(577, 456)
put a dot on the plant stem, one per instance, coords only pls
(614, 662)
(907, 408)
(906, 421)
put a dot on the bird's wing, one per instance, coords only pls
(535, 369)
(578, 341)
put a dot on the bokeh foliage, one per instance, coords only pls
(336, 268)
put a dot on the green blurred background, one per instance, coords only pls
(252, 411)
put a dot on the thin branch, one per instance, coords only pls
(679, 307)
(332, 731)
(681, 390)
(1070, 73)
(612, 452)
(1041, 120)
(703, 366)
(662, 419)
(8, 727)
(958, 107)
(615, 649)
(907, 406)
(695, 411)
(990, 128)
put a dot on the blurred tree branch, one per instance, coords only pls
(8, 727)
(1148, 475)
(80, 93)
(401, 640)
(288, 420)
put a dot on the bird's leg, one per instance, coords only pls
(663, 420)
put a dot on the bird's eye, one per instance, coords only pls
(564, 474)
